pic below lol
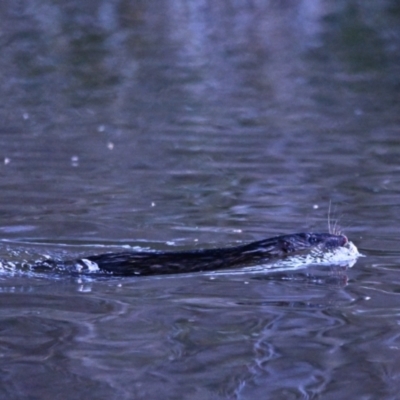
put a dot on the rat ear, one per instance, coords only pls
(287, 246)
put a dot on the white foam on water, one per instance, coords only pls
(92, 266)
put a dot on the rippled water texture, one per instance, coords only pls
(185, 124)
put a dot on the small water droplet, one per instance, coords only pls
(74, 161)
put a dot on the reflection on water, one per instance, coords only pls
(179, 124)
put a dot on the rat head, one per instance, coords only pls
(305, 241)
(303, 249)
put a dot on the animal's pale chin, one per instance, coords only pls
(336, 255)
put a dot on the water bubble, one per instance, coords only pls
(74, 161)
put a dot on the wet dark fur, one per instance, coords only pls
(157, 263)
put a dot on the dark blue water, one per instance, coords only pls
(179, 124)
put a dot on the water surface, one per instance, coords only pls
(179, 125)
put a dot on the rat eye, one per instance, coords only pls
(312, 239)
